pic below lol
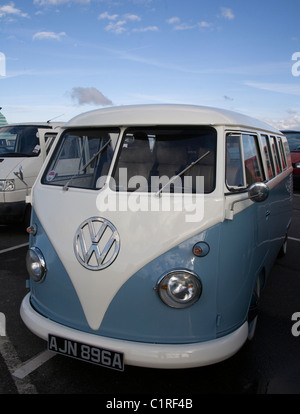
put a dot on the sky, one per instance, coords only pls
(60, 58)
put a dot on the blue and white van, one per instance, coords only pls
(153, 230)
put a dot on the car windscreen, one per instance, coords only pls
(82, 158)
(166, 159)
(19, 141)
(293, 140)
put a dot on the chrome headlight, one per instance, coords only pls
(179, 288)
(297, 165)
(36, 265)
(7, 185)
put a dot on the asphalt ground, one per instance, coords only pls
(269, 364)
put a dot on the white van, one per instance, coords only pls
(23, 149)
(153, 230)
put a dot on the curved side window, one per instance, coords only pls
(234, 162)
(243, 161)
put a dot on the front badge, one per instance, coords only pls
(96, 243)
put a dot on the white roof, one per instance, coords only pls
(37, 124)
(148, 115)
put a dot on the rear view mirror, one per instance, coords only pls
(258, 192)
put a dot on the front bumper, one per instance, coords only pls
(148, 355)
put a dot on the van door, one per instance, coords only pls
(244, 167)
(47, 138)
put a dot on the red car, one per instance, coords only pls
(293, 138)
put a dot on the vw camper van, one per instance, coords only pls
(153, 231)
(23, 149)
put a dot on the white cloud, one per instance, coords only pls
(178, 25)
(132, 17)
(287, 88)
(119, 24)
(227, 13)
(58, 2)
(290, 122)
(108, 16)
(173, 20)
(11, 10)
(117, 28)
(48, 36)
(86, 96)
(147, 29)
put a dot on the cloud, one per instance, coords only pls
(173, 20)
(58, 2)
(227, 13)
(146, 29)
(11, 10)
(178, 25)
(85, 96)
(290, 122)
(48, 36)
(119, 24)
(108, 16)
(287, 88)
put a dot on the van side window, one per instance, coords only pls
(234, 163)
(268, 155)
(282, 153)
(252, 160)
(275, 155)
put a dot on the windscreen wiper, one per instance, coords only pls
(181, 173)
(66, 186)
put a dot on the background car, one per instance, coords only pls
(293, 138)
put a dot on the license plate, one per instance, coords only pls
(88, 353)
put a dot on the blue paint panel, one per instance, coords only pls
(55, 297)
(136, 313)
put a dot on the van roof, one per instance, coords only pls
(165, 114)
(38, 124)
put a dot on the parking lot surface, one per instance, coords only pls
(269, 364)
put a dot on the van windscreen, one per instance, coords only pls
(82, 158)
(167, 159)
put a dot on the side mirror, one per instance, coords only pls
(258, 192)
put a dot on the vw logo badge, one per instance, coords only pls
(96, 243)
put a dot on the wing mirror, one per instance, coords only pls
(258, 192)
